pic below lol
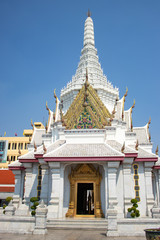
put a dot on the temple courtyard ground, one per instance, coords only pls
(67, 235)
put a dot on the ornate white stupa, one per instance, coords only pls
(96, 77)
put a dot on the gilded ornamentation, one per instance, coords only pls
(131, 115)
(124, 98)
(32, 123)
(136, 182)
(84, 173)
(87, 103)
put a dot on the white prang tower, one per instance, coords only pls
(97, 79)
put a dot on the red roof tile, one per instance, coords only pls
(6, 177)
(6, 189)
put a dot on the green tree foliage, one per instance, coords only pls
(133, 210)
(35, 202)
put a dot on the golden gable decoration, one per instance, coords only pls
(87, 110)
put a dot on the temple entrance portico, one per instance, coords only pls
(85, 197)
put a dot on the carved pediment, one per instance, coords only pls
(85, 169)
(85, 172)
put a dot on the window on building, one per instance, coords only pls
(15, 146)
(14, 157)
(1, 146)
(11, 158)
(12, 146)
(21, 145)
(25, 145)
(9, 145)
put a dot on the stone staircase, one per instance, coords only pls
(86, 224)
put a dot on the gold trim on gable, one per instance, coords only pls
(87, 100)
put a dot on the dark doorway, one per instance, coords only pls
(85, 199)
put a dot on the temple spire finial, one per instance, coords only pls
(89, 13)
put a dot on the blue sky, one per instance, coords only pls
(40, 47)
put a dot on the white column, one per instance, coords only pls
(112, 209)
(44, 183)
(24, 207)
(28, 182)
(106, 189)
(61, 195)
(127, 183)
(17, 191)
(149, 189)
(112, 185)
(158, 187)
(53, 208)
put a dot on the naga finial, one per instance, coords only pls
(35, 147)
(123, 148)
(47, 107)
(136, 146)
(32, 123)
(44, 149)
(157, 150)
(133, 104)
(125, 95)
(149, 137)
(55, 96)
(149, 122)
(46, 127)
(131, 115)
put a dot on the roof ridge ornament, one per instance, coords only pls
(44, 149)
(47, 107)
(157, 150)
(149, 122)
(123, 148)
(55, 96)
(32, 123)
(35, 147)
(137, 144)
(125, 95)
(131, 114)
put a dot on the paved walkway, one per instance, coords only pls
(67, 235)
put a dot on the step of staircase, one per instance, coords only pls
(86, 224)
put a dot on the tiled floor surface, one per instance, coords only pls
(67, 235)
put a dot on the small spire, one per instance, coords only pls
(89, 13)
